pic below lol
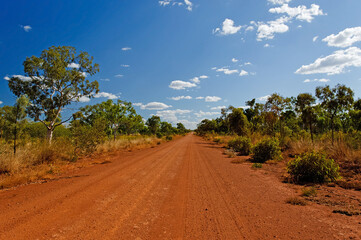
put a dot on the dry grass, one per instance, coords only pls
(296, 201)
(39, 160)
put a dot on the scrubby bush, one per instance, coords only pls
(313, 167)
(267, 149)
(242, 145)
(168, 138)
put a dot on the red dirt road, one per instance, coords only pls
(184, 189)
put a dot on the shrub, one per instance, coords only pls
(242, 145)
(267, 149)
(257, 165)
(313, 167)
(309, 192)
(296, 201)
(168, 138)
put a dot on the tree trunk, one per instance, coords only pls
(311, 131)
(332, 130)
(15, 138)
(49, 135)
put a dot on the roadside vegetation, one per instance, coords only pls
(35, 140)
(316, 137)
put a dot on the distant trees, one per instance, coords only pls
(304, 106)
(54, 80)
(335, 101)
(153, 124)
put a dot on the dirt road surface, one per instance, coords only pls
(183, 189)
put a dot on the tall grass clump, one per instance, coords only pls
(313, 167)
(267, 149)
(242, 145)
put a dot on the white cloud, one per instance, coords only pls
(203, 77)
(249, 28)
(218, 108)
(171, 115)
(6, 78)
(199, 98)
(105, 79)
(181, 98)
(154, 106)
(316, 80)
(264, 98)
(279, 2)
(195, 80)
(344, 38)
(125, 65)
(212, 99)
(266, 45)
(227, 71)
(119, 76)
(269, 29)
(202, 114)
(106, 95)
(21, 77)
(181, 85)
(126, 48)
(228, 28)
(243, 73)
(1, 102)
(26, 28)
(335, 63)
(234, 60)
(315, 39)
(301, 12)
(247, 63)
(189, 5)
(73, 65)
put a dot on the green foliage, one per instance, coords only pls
(267, 149)
(86, 138)
(313, 167)
(53, 81)
(153, 124)
(242, 145)
(168, 138)
(257, 165)
(238, 122)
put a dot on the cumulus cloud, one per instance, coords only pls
(301, 12)
(228, 28)
(105, 79)
(181, 85)
(345, 38)
(107, 95)
(335, 63)
(73, 65)
(195, 80)
(126, 48)
(227, 71)
(153, 106)
(119, 76)
(203, 77)
(1, 102)
(212, 99)
(181, 98)
(171, 115)
(314, 39)
(203, 114)
(264, 98)
(234, 60)
(279, 2)
(218, 108)
(243, 73)
(21, 77)
(316, 80)
(26, 28)
(199, 98)
(6, 78)
(269, 29)
(188, 4)
(125, 65)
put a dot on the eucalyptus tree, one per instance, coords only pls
(335, 101)
(16, 117)
(304, 106)
(238, 122)
(117, 115)
(54, 80)
(153, 124)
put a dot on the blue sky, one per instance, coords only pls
(184, 59)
